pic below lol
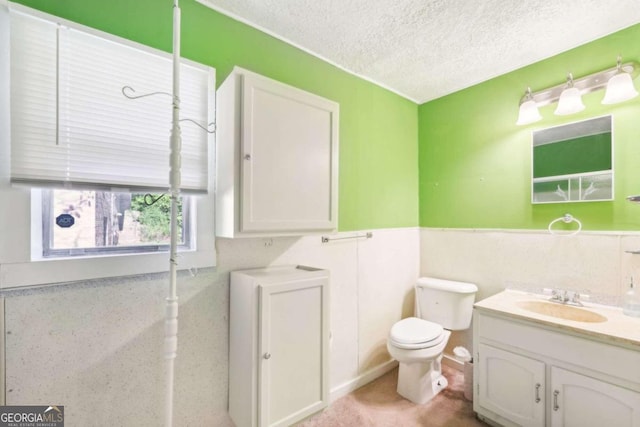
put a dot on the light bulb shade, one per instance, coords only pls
(619, 88)
(528, 113)
(570, 102)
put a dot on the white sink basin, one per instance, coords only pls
(562, 311)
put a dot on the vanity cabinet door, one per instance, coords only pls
(581, 401)
(511, 386)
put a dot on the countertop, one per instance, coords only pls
(617, 329)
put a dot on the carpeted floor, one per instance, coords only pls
(378, 405)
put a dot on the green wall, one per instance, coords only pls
(378, 129)
(475, 163)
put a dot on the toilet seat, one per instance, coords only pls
(415, 333)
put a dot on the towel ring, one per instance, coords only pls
(567, 218)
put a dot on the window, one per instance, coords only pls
(76, 223)
(72, 127)
(74, 137)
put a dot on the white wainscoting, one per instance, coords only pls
(96, 346)
(594, 263)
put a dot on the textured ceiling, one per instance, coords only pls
(424, 49)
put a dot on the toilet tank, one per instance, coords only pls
(446, 302)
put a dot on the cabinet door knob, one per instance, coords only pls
(555, 400)
(537, 392)
(247, 156)
(267, 356)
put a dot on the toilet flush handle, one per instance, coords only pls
(267, 356)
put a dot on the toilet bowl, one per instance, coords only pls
(418, 343)
(418, 346)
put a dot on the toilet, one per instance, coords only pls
(418, 343)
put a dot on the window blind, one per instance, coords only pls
(71, 126)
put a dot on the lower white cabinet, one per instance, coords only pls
(579, 401)
(279, 345)
(528, 375)
(511, 385)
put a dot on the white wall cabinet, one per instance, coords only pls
(277, 158)
(279, 345)
(511, 385)
(530, 375)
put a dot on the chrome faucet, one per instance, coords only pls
(561, 296)
(558, 296)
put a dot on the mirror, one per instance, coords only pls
(573, 162)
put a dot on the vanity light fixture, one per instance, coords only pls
(528, 110)
(620, 87)
(570, 101)
(617, 80)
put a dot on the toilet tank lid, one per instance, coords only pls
(447, 285)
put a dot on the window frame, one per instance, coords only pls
(48, 225)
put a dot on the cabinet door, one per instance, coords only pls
(581, 401)
(288, 157)
(294, 349)
(511, 385)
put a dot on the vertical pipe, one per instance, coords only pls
(171, 320)
(176, 147)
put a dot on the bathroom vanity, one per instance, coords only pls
(540, 365)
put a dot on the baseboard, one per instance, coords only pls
(452, 362)
(360, 380)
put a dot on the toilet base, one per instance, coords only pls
(421, 382)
